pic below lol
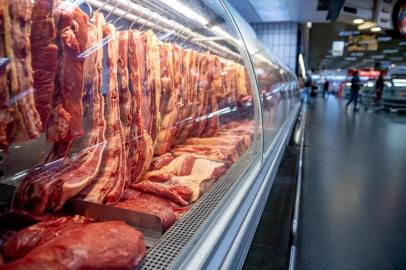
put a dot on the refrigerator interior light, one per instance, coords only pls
(185, 10)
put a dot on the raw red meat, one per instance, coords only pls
(169, 98)
(111, 178)
(22, 242)
(44, 55)
(150, 204)
(6, 111)
(49, 186)
(152, 83)
(171, 190)
(213, 123)
(191, 101)
(102, 245)
(203, 85)
(183, 180)
(161, 161)
(18, 94)
(141, 146)
(72, 34)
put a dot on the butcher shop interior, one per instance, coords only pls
(158, 134)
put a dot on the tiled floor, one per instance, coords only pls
(270, 246)
(353, 209)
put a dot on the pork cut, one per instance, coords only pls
(22, 242)
(102, 245)
(49, 186)
(150, 204)
(111, 179)
(44, 55)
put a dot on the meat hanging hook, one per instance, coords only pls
(136, 20)
(125, 13)
(146, 20)
(102, 6)
(112, 11)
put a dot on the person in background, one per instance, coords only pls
(378, 89)
(308, 87)
(325, 88)
(355, 85)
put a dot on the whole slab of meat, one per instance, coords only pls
(150, 204)
(169, 98)
(22, 242)
(102, 245)
(141, 148)
(19, 117)
(203, 85)
(111, 179)
(152, 83)
(44, 55)
(191, 101)
(183, 180)
(65, 120)
(49, 186)
(6, 111)
(213, 121)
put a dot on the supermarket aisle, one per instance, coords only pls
(353, 213)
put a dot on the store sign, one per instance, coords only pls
(364, 42)
(338, 48)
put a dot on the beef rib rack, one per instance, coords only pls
(111, 179)
(49, 185)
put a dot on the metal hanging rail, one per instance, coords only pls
(146, 17)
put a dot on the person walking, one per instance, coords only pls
(325, 88)
(308, 87)
(379, 84)
(355, 85)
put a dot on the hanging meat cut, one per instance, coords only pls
(152, 83)
(43, 47)
(19, 118)
(65, 122)
(6, 108)
(22, 242)
(141, 145)
(213, 122)
(102, 245)
(169, 97)
(111, 179)
(49, 186)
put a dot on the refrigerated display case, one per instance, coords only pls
(168, 115)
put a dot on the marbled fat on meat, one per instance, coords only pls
(102, 245)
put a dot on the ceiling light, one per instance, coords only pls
(366, 25)
(376, 29)
(309, 24)
(185, 10)
(358, 21)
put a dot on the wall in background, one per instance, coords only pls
(281, 38)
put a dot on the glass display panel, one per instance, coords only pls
(119, 110)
